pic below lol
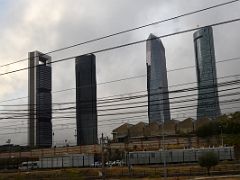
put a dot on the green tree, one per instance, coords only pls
(208, 160)
(235, 116)
(208, 130)
(228, 124)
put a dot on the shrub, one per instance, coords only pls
(208, 160)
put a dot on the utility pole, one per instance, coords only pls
(9, 150)
(163, 137)
(164, 154)
(128, 157)
(103, 167)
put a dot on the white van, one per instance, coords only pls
(29, 165)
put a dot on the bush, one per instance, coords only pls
(226, 124)
(208, 160)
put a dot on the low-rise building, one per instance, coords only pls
(186, 126)
(121, 133)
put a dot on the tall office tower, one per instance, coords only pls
(39, 100)
(157, 82)
(86, 100)
(208, 104)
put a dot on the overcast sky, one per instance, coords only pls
(46, 25)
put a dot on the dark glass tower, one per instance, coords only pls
(157, 82)
(86, 100)
(208, 104)
(39, 100)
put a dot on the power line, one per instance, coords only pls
(106, 120)
(141, 76)
(122, 118)
(140, 102)
(186, 100)
(114, 100)
(75, 127)
(129, 30)
(133, 77)
(133, 112)
(126, 45)
(86, 127)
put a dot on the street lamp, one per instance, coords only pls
(9, 146)
(66, 142)
(53, 139)
(75, 135)
(221, 135)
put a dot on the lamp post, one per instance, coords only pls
(75, 135)
(53, 139)
(66, 142)
(9, 148)
(221, 135)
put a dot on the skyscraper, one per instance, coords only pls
(208, 104)
(39, 100)
(157, 82)
(86, 99)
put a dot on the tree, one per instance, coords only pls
(115, 154)
(208, 160)
(208, 130)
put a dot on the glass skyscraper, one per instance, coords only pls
(157, 82)
(39, 100)
(86, 99)
(208, 103)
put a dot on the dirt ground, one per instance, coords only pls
(176, 172)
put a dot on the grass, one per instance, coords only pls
(148, 172)
(72, 174)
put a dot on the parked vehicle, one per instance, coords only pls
(117, 163)
(29, 165)
(109, 163)
(96, 164)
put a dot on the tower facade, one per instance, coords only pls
(157, 82)
(208, 103)
(39, 100)
(86, 99)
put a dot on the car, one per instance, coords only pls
(118, 163)
(29, 165)
(96, 164)
(109, 163)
